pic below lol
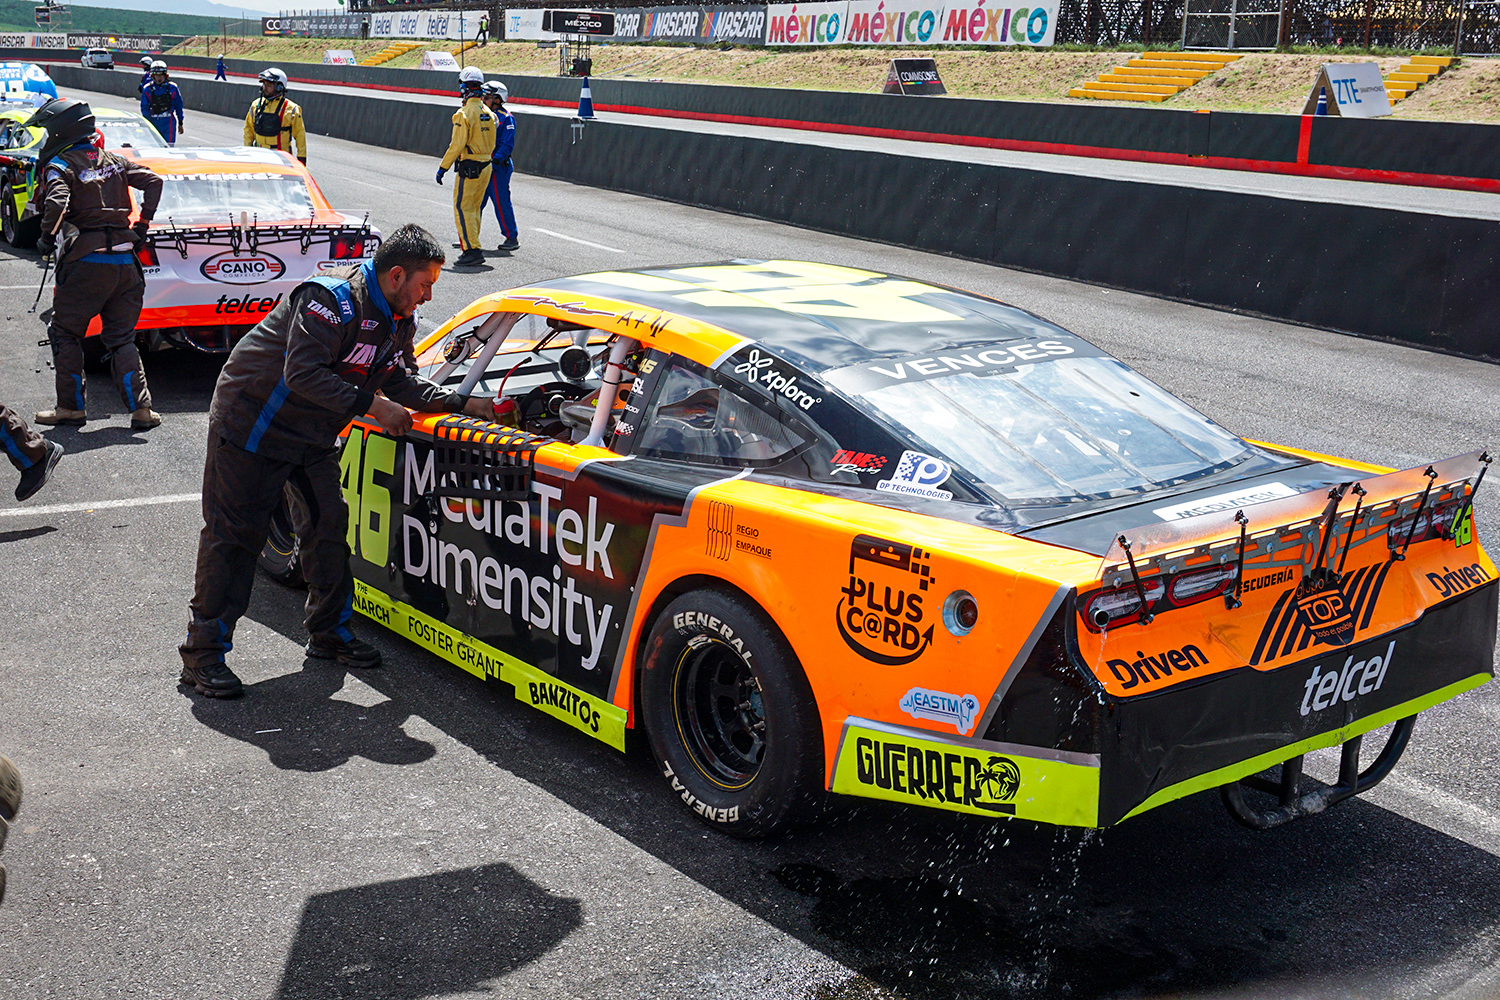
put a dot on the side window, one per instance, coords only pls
(695, 419)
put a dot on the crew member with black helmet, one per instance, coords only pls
(498, 190)
(162, 103)
(274, 122)
(331, 351)
(86, 227)
(469, 153)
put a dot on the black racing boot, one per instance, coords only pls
(214, 680)
(353, 653)
(510, 244)
(470, 258)
(36, 477)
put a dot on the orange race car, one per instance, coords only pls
(821, 529)
(236, 230)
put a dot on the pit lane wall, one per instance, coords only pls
(1443, 154)
(1427, 280)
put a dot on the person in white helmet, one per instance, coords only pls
(469, 152)
(162, 103)
(145, 74)
(219, 69)
(494, 94)
(273, 122)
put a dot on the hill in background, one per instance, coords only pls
(19, 15)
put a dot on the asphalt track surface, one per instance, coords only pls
(409, 832)
(1403, 197)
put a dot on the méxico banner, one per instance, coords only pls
(901, 22)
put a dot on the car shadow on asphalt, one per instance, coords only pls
(929, 905)
(433, 935)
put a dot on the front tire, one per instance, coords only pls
(278, 557)
(8, 220)
(730, 716)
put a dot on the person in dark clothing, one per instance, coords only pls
(86, 226)
(33, 455)
(146, 62)
(483, 37)
(318, 360)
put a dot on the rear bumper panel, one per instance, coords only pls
(1164, 746)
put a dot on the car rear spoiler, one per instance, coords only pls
(247, 234)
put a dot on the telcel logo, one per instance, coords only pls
(1326, 689)
(243, 269)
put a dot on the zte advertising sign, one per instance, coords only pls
(878, 22)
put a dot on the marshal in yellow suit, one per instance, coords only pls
(469, 152)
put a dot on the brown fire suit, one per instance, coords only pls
(286, 392)
(88, 206)
(22, 445)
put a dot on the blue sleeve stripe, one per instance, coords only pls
(267, 414)
(340, 290)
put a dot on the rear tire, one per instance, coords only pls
(8, 220)
(278, 557)
(730, 716)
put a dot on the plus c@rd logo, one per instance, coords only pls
(881, 615)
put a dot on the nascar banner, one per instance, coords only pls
(902, 22)
(743, 24)
(33, 40)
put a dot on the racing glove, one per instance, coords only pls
(440, 173)
(142, 229)
(47, 244)
(181, 126)
(303, 159)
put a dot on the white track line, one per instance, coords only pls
(574, 239)
(67, 508)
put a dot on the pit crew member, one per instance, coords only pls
(162, 103)
(219, 69)
(33, 455)
(97, 271)
(146, 62)
(470, 148)
(494, 94)
(274, 122)
(318, 360)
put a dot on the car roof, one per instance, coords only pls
(227, 160)
(819, 316)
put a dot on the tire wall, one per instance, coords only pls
(1443, 149)
(1317, 263)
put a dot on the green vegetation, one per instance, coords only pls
(17, 15)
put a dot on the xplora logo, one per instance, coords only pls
(880, 615)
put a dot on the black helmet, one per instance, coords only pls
(66, 121)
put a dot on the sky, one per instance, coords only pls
(232, 8)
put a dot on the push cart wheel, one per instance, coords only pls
(730, 716)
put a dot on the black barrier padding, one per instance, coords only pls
(1245, 136)
(1318, 263)
(1450, 149)
(1308, 262)
(1197, 134)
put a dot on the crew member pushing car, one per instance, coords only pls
(498, 190)
(162, 103)
(86, 226)
(274, 122)
(469, 153)
(317, 361)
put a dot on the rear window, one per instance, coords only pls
(1034, 424)
(199, 199)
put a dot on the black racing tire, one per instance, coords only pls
(730, 716)
(8, 220)
(278, 557)
(28, 229)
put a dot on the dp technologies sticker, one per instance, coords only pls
(918, 475)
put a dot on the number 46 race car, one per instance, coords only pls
(821, 530)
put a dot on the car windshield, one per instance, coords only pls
(132, 132)
(1065, 430)
(208, 198)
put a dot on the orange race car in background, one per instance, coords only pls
(236, 230)
(821, 529)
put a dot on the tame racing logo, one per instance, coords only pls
(242, 269)
(880, 615)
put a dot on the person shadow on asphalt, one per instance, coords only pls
(300, 724)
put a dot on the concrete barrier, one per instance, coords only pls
(1424, 279)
